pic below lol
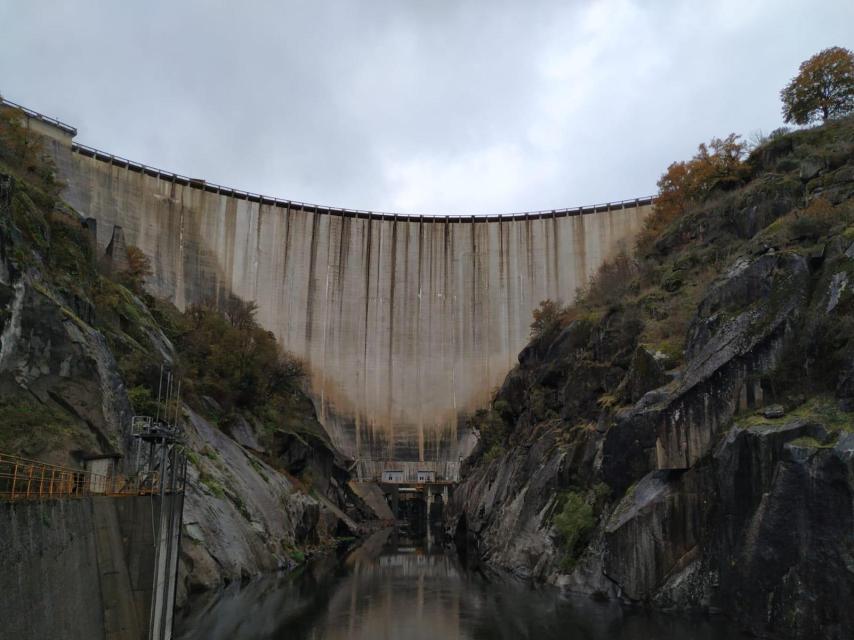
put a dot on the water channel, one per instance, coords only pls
(394, 588)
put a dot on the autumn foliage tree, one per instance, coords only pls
(718, 166)
(823, 88)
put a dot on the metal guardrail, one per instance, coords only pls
(211, 187)
(25, 479)
(40, 116)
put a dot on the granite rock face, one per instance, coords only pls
(241, 516)
(50, 354)
(63, 396)
(790, 534)
(755, 520)
(706, 487)
(736, 335)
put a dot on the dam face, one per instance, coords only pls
(404, 322)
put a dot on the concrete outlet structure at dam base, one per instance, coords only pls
(404, 322)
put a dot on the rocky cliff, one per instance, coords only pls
(683, 438)
(78, 348)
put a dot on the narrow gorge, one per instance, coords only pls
(632, 406)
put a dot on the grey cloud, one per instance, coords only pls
(430, 106)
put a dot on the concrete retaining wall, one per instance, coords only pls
(49, 577)
(78, 568)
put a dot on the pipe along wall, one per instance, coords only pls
(403, 322)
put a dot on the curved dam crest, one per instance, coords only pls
(404, 322)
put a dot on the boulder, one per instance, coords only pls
(773, 411)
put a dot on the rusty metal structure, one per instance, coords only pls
(26, 479)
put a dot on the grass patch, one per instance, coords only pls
(822, 409)
(30, 427)
(259, 469)
(812, 443)
(213, 486)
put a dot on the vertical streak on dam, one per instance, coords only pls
(403, 321)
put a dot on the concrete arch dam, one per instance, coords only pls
(404, 321)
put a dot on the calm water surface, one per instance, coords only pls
(392, 589)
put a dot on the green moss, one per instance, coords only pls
(238, 503)
(29, 220)
(292, 551)
(68, 313)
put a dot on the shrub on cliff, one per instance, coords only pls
(718, 166)
(22, 152)
(573, 522)
(612, 282)
(232, 359)
(547, 317)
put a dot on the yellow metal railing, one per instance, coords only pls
(24, 479)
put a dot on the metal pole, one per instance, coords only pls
(178, 405)
(159, 391)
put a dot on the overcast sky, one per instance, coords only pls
(421, 106)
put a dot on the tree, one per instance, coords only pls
(823, 88)
(139, 268)
(240, 313)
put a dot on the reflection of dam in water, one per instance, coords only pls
(404, 321)
(399, 589)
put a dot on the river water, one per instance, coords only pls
(393, 589)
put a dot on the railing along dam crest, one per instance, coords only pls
(404, 321)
